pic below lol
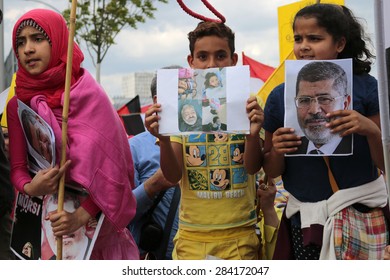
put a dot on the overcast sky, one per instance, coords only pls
(162, 41)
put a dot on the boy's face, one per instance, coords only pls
(211, 52)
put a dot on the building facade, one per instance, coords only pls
(138, 83)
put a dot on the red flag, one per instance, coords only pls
(257, 69)
(133, 106)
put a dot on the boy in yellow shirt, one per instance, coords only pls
(217, 209)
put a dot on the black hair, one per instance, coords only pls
(207, 78)
(339, 21)
(207, 28)
(324, 70)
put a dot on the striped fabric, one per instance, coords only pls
(32, 23)
(360, 236)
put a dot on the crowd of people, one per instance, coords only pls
(190, 191)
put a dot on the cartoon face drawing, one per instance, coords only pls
(193, 156)
(219, 179)
(238, 155)
(220, 137)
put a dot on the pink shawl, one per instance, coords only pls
(98, 147)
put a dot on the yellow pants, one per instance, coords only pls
(232, 244)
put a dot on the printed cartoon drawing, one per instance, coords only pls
(219, 179)
(198, 180)
(220, 137)
(193, 156)
(238, 154)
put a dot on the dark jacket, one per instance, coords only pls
(7, 194)
(344, 147)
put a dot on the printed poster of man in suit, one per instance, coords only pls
(313, 89)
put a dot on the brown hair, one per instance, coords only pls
(207, 28)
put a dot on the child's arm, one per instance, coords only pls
(171, 154)
(65, 223)
(156, 183)
(266, 198)
(282, 141)
(147, 191)
(346, 122)
(253, 155)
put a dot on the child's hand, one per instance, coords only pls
(284, 141)
(46, 181)
(266, 195)
(65, 223)
(151, 120)
(255, 115)
(346, 122)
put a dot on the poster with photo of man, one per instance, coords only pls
(32, 235)
(313, 89)
(39, 138)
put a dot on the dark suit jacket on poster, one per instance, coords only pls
(344, 147)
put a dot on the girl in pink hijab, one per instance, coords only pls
(99, 159)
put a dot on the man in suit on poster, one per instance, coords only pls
(321, 87)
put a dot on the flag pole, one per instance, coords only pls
(65, 110)
(383, 95)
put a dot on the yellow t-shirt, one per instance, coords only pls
(216, 191)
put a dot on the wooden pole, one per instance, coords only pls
(65, 110)
(383, 94)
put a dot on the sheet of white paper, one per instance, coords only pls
(238, 91)
(167, 85)
(230, 96)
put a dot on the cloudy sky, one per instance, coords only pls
(163, 40)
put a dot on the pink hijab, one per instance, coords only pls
(51, 82)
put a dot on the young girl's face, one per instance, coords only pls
(312, 42)
(214, 82)
(34, 50)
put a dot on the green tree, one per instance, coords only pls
(98, 22)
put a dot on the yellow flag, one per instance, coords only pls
(11, 93)
(286, 16)
(274, 80)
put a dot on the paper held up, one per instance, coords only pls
(203, 100)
